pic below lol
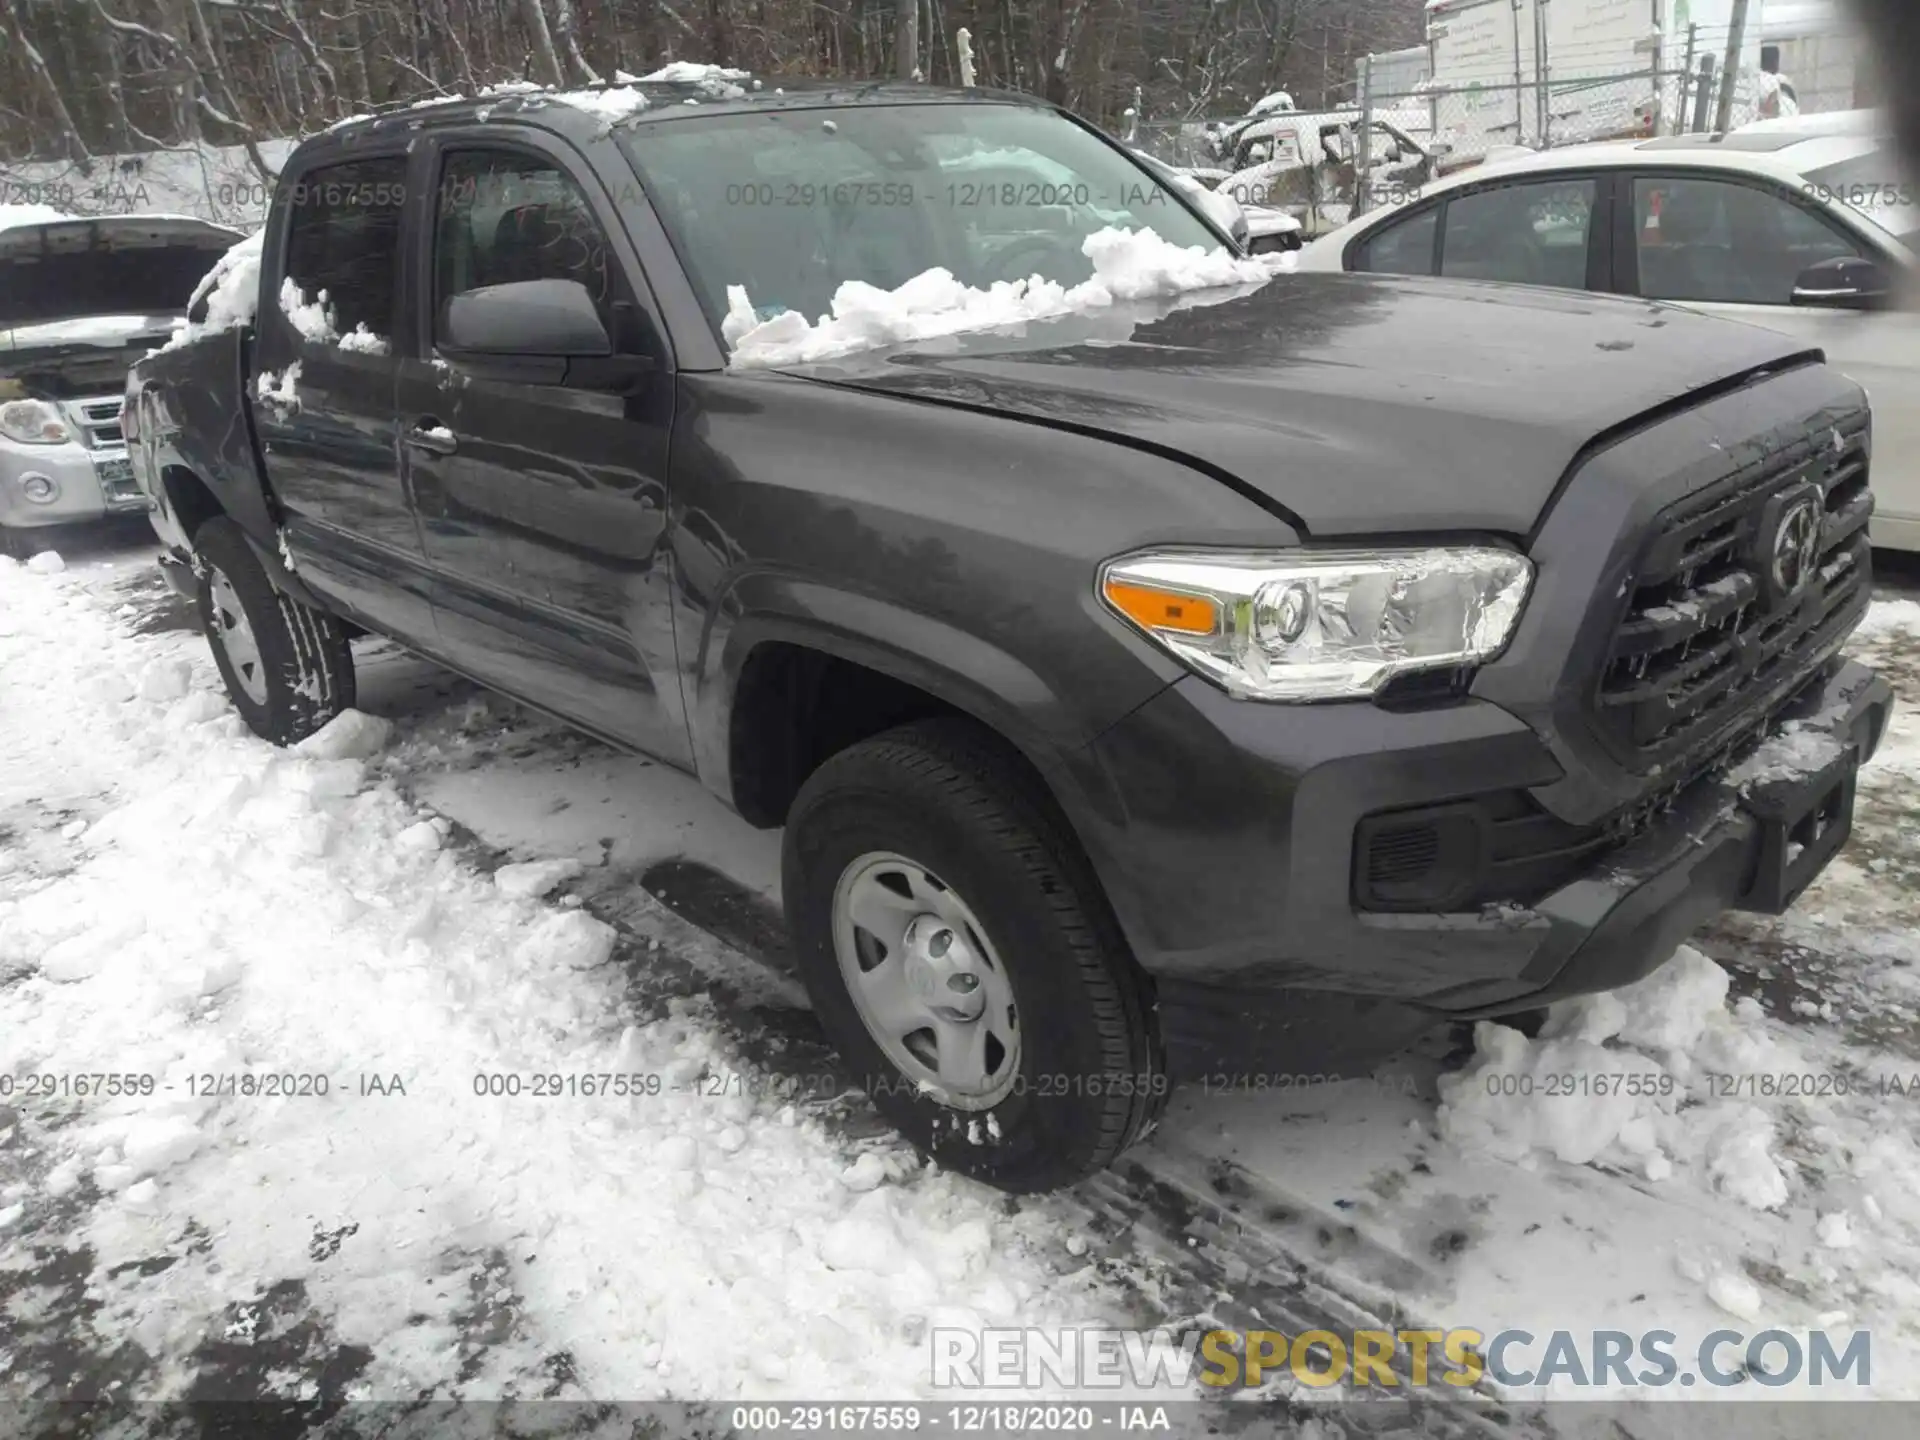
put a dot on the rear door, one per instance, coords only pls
(1733, 246)
(1547, 230)
(543, 504)
(323, 399)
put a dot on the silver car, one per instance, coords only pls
(80, 301)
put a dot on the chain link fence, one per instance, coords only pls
(1325, 167)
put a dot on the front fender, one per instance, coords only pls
(963, 670)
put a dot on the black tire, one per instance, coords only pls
(305, 669)
(1090, 1079)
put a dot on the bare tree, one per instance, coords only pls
(237, 72)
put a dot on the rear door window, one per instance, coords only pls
(1402, 248)
(1528, 233)
(343, 253)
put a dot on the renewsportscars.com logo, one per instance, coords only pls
(1094, 1359)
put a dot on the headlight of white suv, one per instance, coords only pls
(1321, 625)
(32, 422)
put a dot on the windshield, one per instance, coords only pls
(156, 281)
(1875, 184)
(793, 203)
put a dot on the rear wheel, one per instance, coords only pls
(287, 666)
(960, 956)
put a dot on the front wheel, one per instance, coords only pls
(959, 954)
(287, 666)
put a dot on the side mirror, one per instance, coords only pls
(1842, 283)
(527, 317)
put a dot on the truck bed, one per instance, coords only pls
(196, 420)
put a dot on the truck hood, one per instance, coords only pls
(73, 289)
(1351, 404)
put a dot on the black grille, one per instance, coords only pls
(1402, 853)
(1707, 634)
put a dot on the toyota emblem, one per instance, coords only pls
(1796, 547)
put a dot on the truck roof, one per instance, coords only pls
(575, 109)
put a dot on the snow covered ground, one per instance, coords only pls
(448, 888)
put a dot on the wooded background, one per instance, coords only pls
(80, 78)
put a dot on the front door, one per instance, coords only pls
(543, 505)
(323, 398)
(1735, 249)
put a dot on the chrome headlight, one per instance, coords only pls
(1321, 625)
(32, 422)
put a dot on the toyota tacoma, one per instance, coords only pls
(1233, 683)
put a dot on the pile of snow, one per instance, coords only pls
(612, 104)
(12, 215)
(1127, 265)
(1627, 1080)
(318, 925)
(1889, 617)
(280, 387)
(231, 290)
(315, 321)
(686, 72)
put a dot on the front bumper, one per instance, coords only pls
(88, 485)
(1230, 866)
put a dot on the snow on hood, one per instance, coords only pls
(1127, 265)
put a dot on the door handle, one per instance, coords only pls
(435, 439)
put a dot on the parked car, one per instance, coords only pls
(1813, 236)
(80, 301)
(1191, 687)
(1306, 164)
(1260, 230)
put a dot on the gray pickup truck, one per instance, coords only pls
(80, 301)
(1224, 685)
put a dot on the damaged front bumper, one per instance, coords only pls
(1751, 839)
(1341, 988)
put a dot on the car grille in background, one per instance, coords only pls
(1698, 643)
(99, 422)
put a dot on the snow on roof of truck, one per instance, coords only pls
(666, 94)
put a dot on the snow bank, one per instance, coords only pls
(1127, 265)
(1887, 617)
(234, 910)
(1625, 1080)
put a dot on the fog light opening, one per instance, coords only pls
(41, 489)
